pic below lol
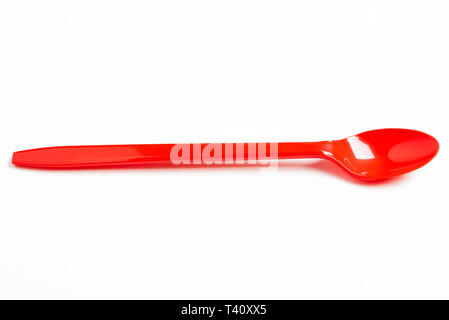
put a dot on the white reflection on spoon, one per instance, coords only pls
(361, 150)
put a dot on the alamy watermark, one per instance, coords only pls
(225, 153)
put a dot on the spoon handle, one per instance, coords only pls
(296, 150)
(164, 154)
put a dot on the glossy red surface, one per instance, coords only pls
(384, 153)
(371, 155)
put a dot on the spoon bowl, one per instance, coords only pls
(383, 153)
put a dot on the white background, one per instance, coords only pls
(113, 72)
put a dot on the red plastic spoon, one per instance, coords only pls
(372, 155)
